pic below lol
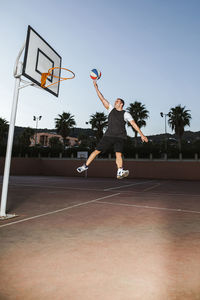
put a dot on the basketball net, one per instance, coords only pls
(44, 77)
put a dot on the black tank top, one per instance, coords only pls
(116, 124)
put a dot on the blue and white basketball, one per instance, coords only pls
(95, 74)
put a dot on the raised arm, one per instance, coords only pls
(135, 126)
(101, 97)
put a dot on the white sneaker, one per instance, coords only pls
(82, 168)
(122, 173)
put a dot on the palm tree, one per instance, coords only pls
(99, 121)
(179, 117)
(3, 130)
(64, 123)
(139, 114)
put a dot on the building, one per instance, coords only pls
(42, 138)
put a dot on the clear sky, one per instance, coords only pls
(147, 50)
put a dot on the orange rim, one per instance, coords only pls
(45, 75)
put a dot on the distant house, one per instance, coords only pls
(42, 138)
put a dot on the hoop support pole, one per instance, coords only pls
(16, 67)
(10, 144)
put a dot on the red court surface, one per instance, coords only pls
(100, 239)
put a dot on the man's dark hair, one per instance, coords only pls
(122, 101)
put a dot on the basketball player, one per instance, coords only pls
(115, 135)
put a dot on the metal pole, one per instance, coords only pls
(165, 133)
(37, 119)
(9, 148)
(36, 131)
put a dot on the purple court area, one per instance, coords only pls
(98, 238)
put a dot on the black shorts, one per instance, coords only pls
(108, 141)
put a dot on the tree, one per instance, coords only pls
(25, 138)
(87, 141)
(179, 117)
(139, 114)
(3, 130)
(63, 125)
(99, 121)
(83, 139)
(55, 143)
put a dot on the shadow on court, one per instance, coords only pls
(78, 238)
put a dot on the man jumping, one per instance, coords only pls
(115, 134)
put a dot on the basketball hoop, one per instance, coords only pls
(45, 75)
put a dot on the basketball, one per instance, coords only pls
(95, 74)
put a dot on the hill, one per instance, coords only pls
(189, 136)
(74, 132)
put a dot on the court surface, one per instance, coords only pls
(100, 239)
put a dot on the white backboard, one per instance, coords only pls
(39, 57)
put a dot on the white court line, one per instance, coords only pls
(31, 179)
(151, 187)
(158, 194)
(55, 187)
(153, 207)
(58, 210)
(75, 188)
(105, 190)
(126, 185)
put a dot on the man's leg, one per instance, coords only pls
(89, 160)
(103, 145)
(92, 157)
(119, 162)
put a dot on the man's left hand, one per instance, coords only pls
(144, 138)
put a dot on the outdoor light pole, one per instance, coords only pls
(37, 119)
(165, 115)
